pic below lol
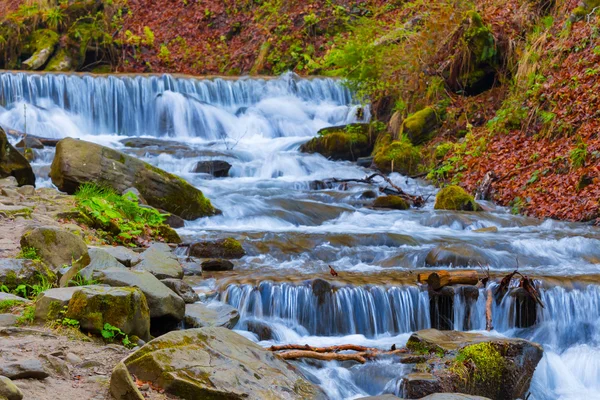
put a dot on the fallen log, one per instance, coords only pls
(330, 349)
(422, 277)
(439, 279)
(360, 357)
(488, 310)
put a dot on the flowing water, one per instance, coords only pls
(292, 231)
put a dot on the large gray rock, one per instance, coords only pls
(11, 297)
(14, 272)
(100, 260)
(215, 313)
(210, 363)
(123, 307)
(52, 301)
(77, 161)
(160, 262)
(55, 246)
(9, 390)
(182, 289)
(162, 301)
(24, 369)
(125, 256)
(455, 256)
(13, 163)
(472, 363)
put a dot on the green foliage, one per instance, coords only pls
(8, 305)
(79, 280)
(27, 317)
(148, 37)
(579, 154)
(517, 205)
(34, 290)
(4, 289)
(534, 177)
(29, 253)
(73, 323)
(54, 18)
(164, 54)
(111, 333)
(443, 149)
(120, 215)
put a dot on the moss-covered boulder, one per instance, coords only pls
(474, 364)
(215, 313)
(13, 163)
(40, 46)
(51, 302)
(391, 202)
(397, 156)
(420, 127)
(210, 363)
(455, 198)
(160, 262)
(14, 272)
(228, 248)
(55, 246)
(77, 161)
(346, 142)
(62, 61)
(123, 307)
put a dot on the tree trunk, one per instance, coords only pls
(439, 279)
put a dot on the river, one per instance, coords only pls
(292, 232)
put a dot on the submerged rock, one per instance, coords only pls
(210, 363)
(123, 307)
(346, 142)
(13, 163)
(77, 161)
(391, 202)
(215, 313)
(228, 248)
(472, 363)
(455, 198)
(216, 168)
(55, 246)
(217, 265)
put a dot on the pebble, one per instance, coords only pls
(73, 359)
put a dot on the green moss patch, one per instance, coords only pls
(455, 198)
(397, 156)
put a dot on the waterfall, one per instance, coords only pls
(61, 105)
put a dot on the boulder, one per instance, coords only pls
(396, 156)
(77, 161)
(160, 262)
(455, 198)
(60, 62)
(40, 46)
(217, 265)
(14, 272)
(9, 182)
(182, 289)
(347, 142)
(123, 307)
(456, 256)
(174, 221)
(13, 163)
(100, 260)
(163, 303)
(225, 248)
(122, 254)
(9, 390)
(215, 313)
(49, 304)
(473, 364)
(191, 267)
(420, 127)
(26, 190)
(24, 369)
(30, 142)
(211, 363)
(216, 168)
(391, 202)
(55, 246)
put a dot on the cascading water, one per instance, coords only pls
(292, 231)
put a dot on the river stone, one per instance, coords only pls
(215, 313)
(228, 248)
(162, 301)
(216, 168)
(52, 301)
(30, 142)
(123, 307)
(100, 260)
(55, 246)
(192, 267)
(160, 262)
(9, 390)
(513, 362)
(77, 162)
(211, 363)
(456, 256)
(125, 256)
(182, 289)
(14, 272)
(13, 163)
(217, 265)
(24, 369)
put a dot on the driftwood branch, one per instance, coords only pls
(416, 201)
(330, 349)
(332, 353)
(488, 310)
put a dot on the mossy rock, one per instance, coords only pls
(228, 248)
(455, 198)
(391, 202)
(13, 163)
(15, 272)
(347, 142)
(211, 363)
(397, 156)
(40, 46)
(420, 127)
(77, 162)
(123, 307)
(62, 61)
(55, 246)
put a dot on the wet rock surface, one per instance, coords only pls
(13, 163)
(215, 313)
